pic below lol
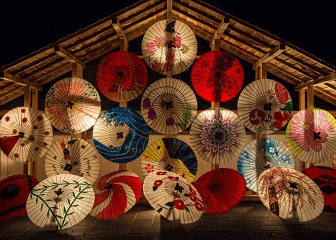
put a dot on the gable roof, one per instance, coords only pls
(240, 38)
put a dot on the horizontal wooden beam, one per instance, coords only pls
(270, 55)
(67, 55)
(321, 80)
(120, 33)
(17, 80)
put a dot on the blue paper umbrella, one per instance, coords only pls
(120, 135)
(170, 154)
(260, 155)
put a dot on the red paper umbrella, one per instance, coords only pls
(121, 76)
(14, 192)
(325, 178)
(116, 193)
(221, 189)
(217, 76)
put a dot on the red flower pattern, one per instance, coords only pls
(179, 204)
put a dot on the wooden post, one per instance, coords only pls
(28, 167)
(310, 104)
(302, 106)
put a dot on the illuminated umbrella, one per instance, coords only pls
(74, 156)
(173, 197)
(264, 106)
(169, 47)
(217, 76)
(120, 135)
(260, 155)
(25, 134)
(290, 194)
(311, 135)
(169, 106)
(121, 76)
(60, 201)
(221, 189)
(325, 178)
(14, 191)
(72, 105)
(116, 193)
(170, 154)
(217, 137)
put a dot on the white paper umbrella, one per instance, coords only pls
(72, 105)
(290, 194)
(60, 201)
(217, 137)
(25, 134)
(169, 106)
(75, 156)
(311, 135)
(173, 197)
(260, 155)
(264, 106)
(169, 47)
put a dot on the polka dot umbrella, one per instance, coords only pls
(75, 156)
(120, 135)
(290, 194)
(72, 105)
(121, 76)
(264, 106)
(173, 197)
(115, 194)
(217, 76)
(260, 155)
(170, 154)
(169, 47)
(14, 191)
(25, 134)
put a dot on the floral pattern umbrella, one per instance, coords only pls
(14, 191)
(290, 194)
(25, 134)
(60, 201)
(115, 194)
(311, 135)
(217, 76)
(120, 135)
(217, 136)
(75, 156)
(173, 197)
(260, 155)
(169, 106)
(121, 76)
(221, 190)
(170, 154)
(72, 105)
(169, 47)
(264, 106)
(325, 178)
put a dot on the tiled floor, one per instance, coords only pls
(249, 220)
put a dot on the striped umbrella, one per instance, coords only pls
(25, 134)
(173, 197)
(290, 194)
(115, 194)
(260, 155)
(170, 154)
(75, 156)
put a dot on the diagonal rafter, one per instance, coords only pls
(120, 33)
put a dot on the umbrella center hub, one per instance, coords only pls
(268, 107)
(108, 186)
(21, 134)
(10, 191)
(68, 167)
(219, 135)
(293, 187)
(70, 104)
(317, 135)
(120, 74)
(169, 105)
(59, 192)
(218, 75)
(120, 135)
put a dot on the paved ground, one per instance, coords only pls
(249, 220)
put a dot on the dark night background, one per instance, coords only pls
(29, 26)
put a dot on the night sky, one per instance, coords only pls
(29, 26)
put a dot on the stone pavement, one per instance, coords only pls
(249, 220)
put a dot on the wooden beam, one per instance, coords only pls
(321, 80)
(67, 55)
(120, 33)
(270, 55)
(220, 30)
(15, 79)
(169, 9)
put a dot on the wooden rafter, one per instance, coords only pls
(270, 55)
(17, 80)
(330, 77)
(120, 33)
(169, 9)
(220, 30)
(67, 55)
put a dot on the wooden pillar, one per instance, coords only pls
(28, 167)
(310, 104)
(302, 106)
